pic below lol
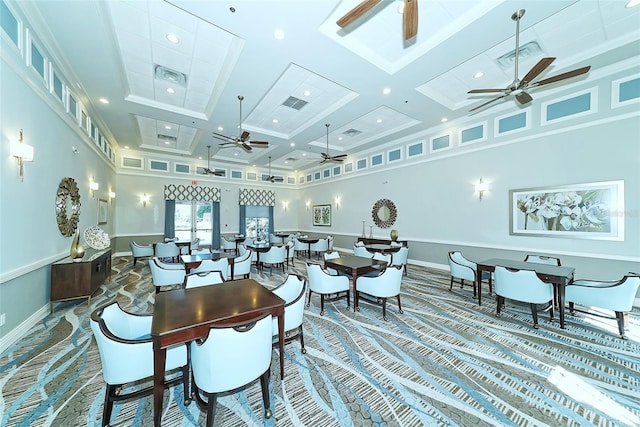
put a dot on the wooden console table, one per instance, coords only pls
(374, 241)
(74, 280)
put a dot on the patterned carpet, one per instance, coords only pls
(444, 362)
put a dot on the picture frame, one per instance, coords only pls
(321, 215)
(582, 211)
(103, 211)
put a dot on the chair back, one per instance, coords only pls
(242, 265)
(322, 282)
(233, 356)
(460, 267)
(292, 292)
(273, 239)
(140, 250)
(616, 296)
(275, 255)
(521, 285)
(400, 257)
(205, 278)
(167, 250)
(541, 259)
(299, 246)
(331, 255)
(361, 251)
(291, 252)
(382, 257)
(163, 274)
(359, 243)
(221, 265)
(321, 245)
(385, 285)
(227, 245)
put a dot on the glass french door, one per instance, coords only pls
(193, 219)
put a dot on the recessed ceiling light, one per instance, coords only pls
(304, 154)
(379, 121)
(167, 127)
(166, 143)
(104, 100)
(173, 38)
(293, 144)
(200, 157)
(444, 119)
(286, 162)
(171, 90)
(307, 93)
(220, 128)
(235, 154)
(339, 138)
(386, 91)
(478, 75)
(275, 120)
(633, 3)
(279, 34)
(126, 146)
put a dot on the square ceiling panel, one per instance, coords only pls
(296, 101)
(186, 75)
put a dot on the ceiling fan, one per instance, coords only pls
(271, 177)
(207, 170)
(242, 140)
(326, 157)
(518, 87)
(409, 16)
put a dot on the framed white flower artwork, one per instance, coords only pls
(584, 211)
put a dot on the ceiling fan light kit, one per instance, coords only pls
(518, 88)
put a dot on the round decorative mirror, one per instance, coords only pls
(67, 206)
(384, 213)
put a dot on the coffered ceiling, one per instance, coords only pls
(297, 70)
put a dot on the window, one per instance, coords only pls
(9, 23)
(257, 222)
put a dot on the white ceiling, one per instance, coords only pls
(227, 49)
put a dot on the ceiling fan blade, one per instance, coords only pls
(410, 19)
(226, 144)
(325, 160)
(523, 98)
(485, 90)
(536, 70)
(223, 137)
(246, 146)
(278, 179)
(336, 160)
(356, 12)
(244, 136)
(259, 142)
(567, 75)
(340, 156)
(487, 103)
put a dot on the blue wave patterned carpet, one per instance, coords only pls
(444, 362)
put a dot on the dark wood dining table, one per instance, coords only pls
(183, 315)
(259, 248)
(193, 261)
(309, 241)
(558, 276)
(283, 236)
(385, 249)
(355, 266)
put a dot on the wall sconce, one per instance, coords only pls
(144, 199)
(21, 151)
(307, 204)
(112, 195)
(481, 187)
(285, 205)
(93, 186)
(337, 202)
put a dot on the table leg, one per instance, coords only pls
(561, 287)
(309, 252)
(232, 263)
(281, 341)
(479, 284)
(159, 360)
(355, 291)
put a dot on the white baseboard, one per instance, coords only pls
(18, 332)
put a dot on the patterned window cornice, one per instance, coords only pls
(251, 197)
(191, 192)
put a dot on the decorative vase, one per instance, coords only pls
(363, 235)
(394, 235)
(371, 231)
(77, 250)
